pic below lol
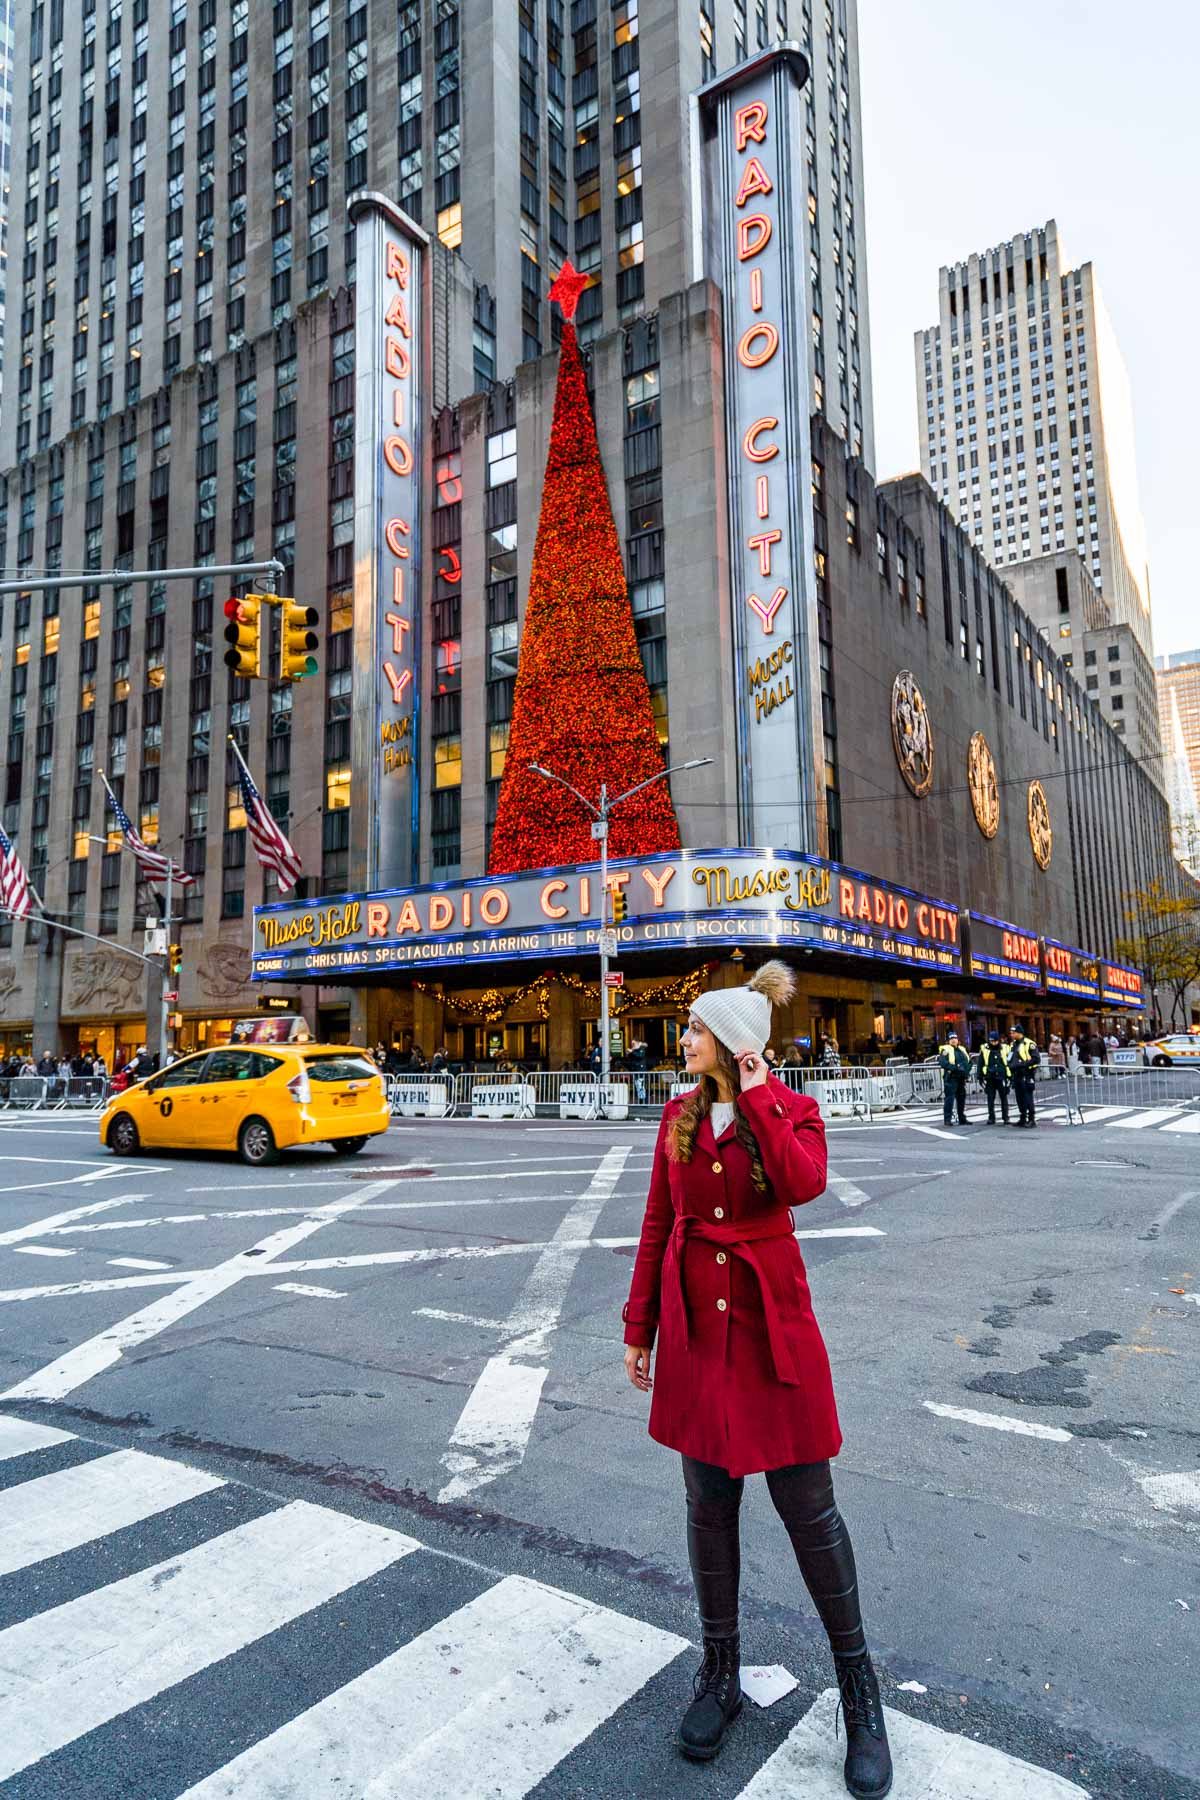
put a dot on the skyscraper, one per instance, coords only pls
(1026, 419)
(6, 77)
(1178, 679)
(181, 387)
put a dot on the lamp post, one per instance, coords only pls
(600, 817)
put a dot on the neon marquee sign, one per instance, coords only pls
(749, 141)
(389, 455)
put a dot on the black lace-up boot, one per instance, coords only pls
(868, 1759)
(717, 1702)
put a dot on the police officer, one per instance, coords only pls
(995, 1076)
(1023, 1059)
(955, 1066)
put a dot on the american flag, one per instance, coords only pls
(16, 897)
(152, 864)
(272, 847)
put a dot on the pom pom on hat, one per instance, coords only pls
(740, 1018)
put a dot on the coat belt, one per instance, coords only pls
(739, 1238)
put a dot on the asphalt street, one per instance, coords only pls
(326, 1478)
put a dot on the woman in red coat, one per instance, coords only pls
(741, 1383)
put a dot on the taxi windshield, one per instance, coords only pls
(339, 1066)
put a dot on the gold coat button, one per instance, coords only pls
(717, 1167)
(721, 1256)
(720, 1306)
(718, 1212)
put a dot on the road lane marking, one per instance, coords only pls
(18, 1437)
(999, 1422)
(137, 1262)
(40, 1227)
(425, 1180)
(494, 1426)
(52, 1514)
(512, 1682)
(1147, 1120)
(934, 1764)
(456, 1318)
(310, 1293)
(1173, 1493)
(41, 1250)
(77, 1666)
(89, 1359)
(1191, 1123)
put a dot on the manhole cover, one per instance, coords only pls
(397, 1174)
(1108, 1162)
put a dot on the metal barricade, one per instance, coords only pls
(1109, 1089)
(839, 1092)
(80, 1093)
(26, 1093)
(421, 1096)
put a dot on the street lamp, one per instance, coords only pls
(600, 817)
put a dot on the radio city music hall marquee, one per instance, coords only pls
(389, 453)
(747, 145)
(691, 899)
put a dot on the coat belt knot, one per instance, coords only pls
(739, 1237)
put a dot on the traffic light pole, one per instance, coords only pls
(120, 577)
(163, 1022)
(600, 817)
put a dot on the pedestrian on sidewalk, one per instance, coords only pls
(955, 1065)
(741, 1382)
(994, 1075)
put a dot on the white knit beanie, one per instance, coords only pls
(741, 1017)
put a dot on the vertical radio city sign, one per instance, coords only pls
(389, 370)
(748, 146)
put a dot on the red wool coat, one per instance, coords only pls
(741, 1377)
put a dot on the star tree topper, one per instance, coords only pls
(567, 287)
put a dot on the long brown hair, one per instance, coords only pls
(681, 1132)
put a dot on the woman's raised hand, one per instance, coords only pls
(637, 1366)
(752, 1067)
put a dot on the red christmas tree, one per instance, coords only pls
(581, 706)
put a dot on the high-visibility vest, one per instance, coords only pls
(985, 1057)
(949, 1056)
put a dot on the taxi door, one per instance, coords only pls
(165, 1107)
(231, 1090)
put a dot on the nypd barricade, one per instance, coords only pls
(419, 1097)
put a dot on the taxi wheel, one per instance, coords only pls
(347, 1146)
(256, 1145)
(1162, 1062)
(123, 1139)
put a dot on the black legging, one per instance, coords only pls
(803, 1497)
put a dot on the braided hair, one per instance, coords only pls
(681, 1132)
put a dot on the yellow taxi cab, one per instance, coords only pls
(257, 1100)
(1178, 1049)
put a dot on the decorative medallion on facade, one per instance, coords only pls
(912, 734)
(1041, 832)
(985, 791)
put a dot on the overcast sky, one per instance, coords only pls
(982, 121)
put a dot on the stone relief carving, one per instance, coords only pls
(912, 734)
(1041, 832)
(8, 979)
(224, 971)
(985, 790)
(104, 981)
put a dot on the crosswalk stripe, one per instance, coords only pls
(19, 1436)
(931, 1763)
(1147, 1120)
(81, 1664)
(1093, 1115)
(1191, 1123)
(518, 1677)
(55, 1513)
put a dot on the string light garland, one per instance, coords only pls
(489, 1007)
(581, 705)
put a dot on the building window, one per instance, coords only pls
(337, 787)
(501, 458)
(449, 225)
(447, 762)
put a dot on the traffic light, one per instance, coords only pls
(297, 640)
(620, 908)
(243, 634)
(175, 959)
